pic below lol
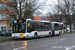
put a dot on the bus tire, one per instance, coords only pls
(49, 34)
(35, 36)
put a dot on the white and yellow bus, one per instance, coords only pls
(33, 29)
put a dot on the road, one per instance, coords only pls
(63, 42)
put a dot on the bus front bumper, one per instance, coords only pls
(21, 37)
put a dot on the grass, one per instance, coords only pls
(3, 39)
(68, 32)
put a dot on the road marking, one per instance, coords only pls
(11, 43)
(70, 48)
(63, 39)
(19, 48)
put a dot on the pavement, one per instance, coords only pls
(63, 42)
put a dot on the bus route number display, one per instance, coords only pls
(20, 21)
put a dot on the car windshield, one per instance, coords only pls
(19, 28)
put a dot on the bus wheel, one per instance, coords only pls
(49, 34)
(35, 36)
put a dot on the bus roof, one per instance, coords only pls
(60, 23)
(38, 21)
(57, 22)
(54, 22)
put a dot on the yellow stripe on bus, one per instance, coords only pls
(21, 35)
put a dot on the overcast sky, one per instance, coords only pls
(49, 5)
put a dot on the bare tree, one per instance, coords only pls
(64, 11)
(19, 8)
(26, 8)
(38, 13)
(67, 12)
(65, 8)
(30, 7)
(53, 13)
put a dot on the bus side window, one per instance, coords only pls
(46, 26)
(39, 26)
(42, 26)
(35, 26)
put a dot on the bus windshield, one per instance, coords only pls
(19, 28)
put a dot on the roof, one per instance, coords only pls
(37, 18)
(44, 18)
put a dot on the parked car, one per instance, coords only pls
(6, 32)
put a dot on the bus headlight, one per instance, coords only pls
(12, 35)
(25, 35)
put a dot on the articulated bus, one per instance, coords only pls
(57, 28)
(33, 29)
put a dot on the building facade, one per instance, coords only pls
(7, 11)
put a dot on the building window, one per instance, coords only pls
(12, 9)
(3, 7)
(3, 17)
(12, 0)
(12, 17)
(3, 27)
